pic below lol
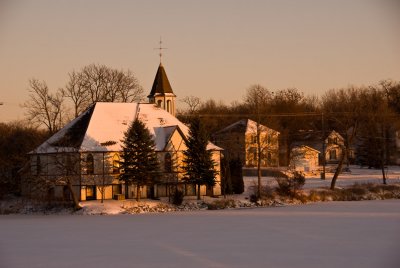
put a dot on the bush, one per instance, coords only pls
(177, 197)
(253, 198)
(267, 192)
(288, 186)
(221, 204)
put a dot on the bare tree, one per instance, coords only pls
(101, 83)
(291, 102)
(375, 133)
(257, 100)
(345, 109)
(43, 107)
(75, 90)
(193, 103)
(51, 170)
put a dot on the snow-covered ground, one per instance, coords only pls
(331, 234)
(356, 175)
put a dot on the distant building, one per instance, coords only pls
(305, 159)
(239, 140)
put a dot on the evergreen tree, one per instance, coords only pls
(198, 163)
(139, 159)
(235, 166)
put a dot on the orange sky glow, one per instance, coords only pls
(216, 49)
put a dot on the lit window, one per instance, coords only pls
(89, 164)
(116, 163)
(168, 162)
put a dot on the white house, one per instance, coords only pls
(86, 152)
(304, 158)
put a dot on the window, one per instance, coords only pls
(90, 192)
(168, 163)
(254, 139)
(89, 164)
(190, 189)
(332, 154)
(159, 102)
(38, 165)
(269, 157)
(115, 165)
(169, 106)
(116, 189)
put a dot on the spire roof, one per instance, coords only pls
(161, 83)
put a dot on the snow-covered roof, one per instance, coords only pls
(252, 127)
(244, 125)
(305, 147)
(101, 128)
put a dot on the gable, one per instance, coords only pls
(176, 141)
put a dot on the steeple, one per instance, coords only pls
(161, 92)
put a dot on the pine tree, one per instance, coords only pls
(198, 163)
(235, 166)
(139, 159)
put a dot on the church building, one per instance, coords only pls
(84, 156)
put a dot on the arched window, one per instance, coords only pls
(168, 106)
(168, 163)
(38, 165)
(115, 164)
(159, 102)
(89, 164)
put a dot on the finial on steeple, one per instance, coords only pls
(160, 48)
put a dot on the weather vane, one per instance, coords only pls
(160, 48)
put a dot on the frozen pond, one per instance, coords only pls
(335, 234)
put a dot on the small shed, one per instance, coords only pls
(304, 158)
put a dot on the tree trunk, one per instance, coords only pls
(338, 170)
(198, 191)
(258, 160)
(259, 177)
(102, 193)
(383, 174)
(74, 198)
(138, 192)
(383, 157)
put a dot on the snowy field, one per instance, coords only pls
(356, 175)
(332, 234)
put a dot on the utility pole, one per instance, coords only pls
(323, 147)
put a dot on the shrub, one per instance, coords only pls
(253, 198)
(177, 197)
(221, 204)
(267, 192)
(314, 196)
(288, 186)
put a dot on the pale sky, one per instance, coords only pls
(216, 48)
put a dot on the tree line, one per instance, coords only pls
(368, 115)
